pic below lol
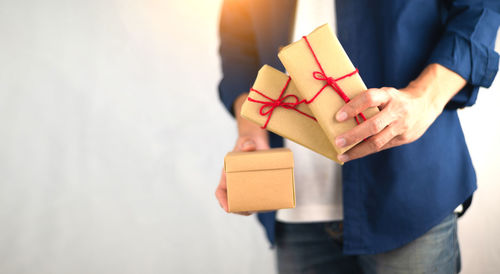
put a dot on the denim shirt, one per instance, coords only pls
(393, 196)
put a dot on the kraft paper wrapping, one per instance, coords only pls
(300, 64)
(285, 122)
(260, 180)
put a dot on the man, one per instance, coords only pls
(402, 185)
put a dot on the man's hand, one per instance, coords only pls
(404, 115)
(251, 137)
(244, 143)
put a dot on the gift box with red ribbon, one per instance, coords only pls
(326, 79)
(275, 103)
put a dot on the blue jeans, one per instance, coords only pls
(317, 248)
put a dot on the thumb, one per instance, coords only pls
(248, 145)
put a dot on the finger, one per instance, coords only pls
(366, 129)
(221, 195)
(392, 143)
(245, 213)
(247, 145)
(222, 198)
(398, 140)
(367, 99)
(221, 192)
(372, 145)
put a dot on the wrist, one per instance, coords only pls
(427, 95)
(436, 85)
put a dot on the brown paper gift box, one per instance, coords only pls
(260, 180)
(301, 64)
(286, 122)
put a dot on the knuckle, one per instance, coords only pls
(376, 126)
(392, 91)
(393, 132)
(372, 127)
(369, 97)
(377, 144)
(404, 126)
(349, 109)
(404, 110)
(404, 138)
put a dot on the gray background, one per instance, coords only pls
(112, 140)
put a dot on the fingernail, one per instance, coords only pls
(341, 116)
(343, 158)
(340, 142)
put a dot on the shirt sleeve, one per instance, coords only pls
(238, 52)
(467, 46)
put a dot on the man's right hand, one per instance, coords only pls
(251, 138)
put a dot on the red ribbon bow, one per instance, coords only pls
(330, 81)
(269, 106)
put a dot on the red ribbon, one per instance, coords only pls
(269, 106)
(330, 81)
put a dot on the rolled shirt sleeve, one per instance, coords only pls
(467, 46)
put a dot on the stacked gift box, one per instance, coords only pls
(300, 107)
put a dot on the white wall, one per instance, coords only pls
(479, 227)
(112, 139)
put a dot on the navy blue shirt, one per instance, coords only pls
(394, 196)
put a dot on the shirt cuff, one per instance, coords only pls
(231, 88)
(475, 62)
